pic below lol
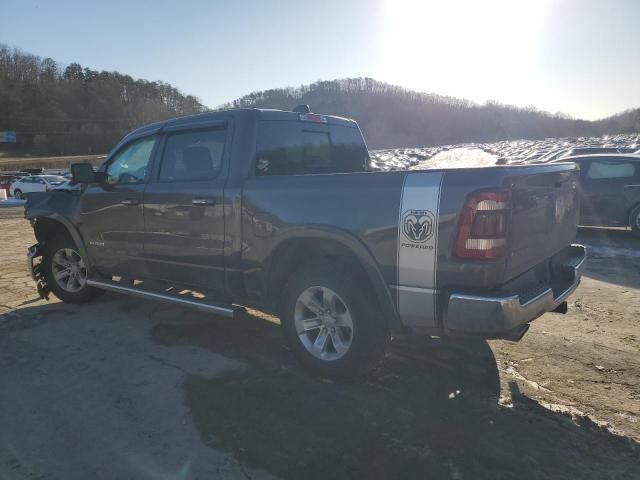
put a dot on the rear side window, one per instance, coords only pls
(603, 169)
(194, 155)
(301, 148)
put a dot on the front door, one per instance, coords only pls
(604, 196)
(111, 219)
(184, 210)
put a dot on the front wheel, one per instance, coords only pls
(17, 195)
(66, 273)
(330, 320)
(634, 220)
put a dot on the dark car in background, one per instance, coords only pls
(610, 189)
(557, 155)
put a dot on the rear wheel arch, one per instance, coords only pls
(633, 217)
(302, 249)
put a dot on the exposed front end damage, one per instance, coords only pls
(48, 213)
(36, 265)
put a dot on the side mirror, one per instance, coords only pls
(83, 173)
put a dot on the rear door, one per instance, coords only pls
(24, 184)
(38, 185)
(184, 208)
(604, 190)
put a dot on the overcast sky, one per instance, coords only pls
(581, 57)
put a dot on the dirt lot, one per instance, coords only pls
(124, 388)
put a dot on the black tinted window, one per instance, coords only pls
(300, 148)
(603, 169)
(193, 155)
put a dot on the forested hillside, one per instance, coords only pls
(392, 116)
(76, 110)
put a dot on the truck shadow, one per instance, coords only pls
(429, 410)
(613, 255)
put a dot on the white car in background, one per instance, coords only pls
(35, 183)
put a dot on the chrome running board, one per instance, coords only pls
(225, 310)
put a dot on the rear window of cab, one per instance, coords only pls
(306, 148)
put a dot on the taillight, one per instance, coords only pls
(482, 227)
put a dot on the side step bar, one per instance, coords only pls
(225, 310)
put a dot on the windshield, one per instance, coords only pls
(53, 178)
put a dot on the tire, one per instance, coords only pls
(341, 334)
(634, 220)
(70, 290)
(17, 194)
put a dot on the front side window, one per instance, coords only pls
(195, 155)
(130, 165)
(603, 169)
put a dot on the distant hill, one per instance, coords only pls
(76, 110)
(79, 111)
(391, 116)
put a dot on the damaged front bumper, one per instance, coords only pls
(36, 269)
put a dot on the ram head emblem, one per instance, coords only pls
(418, 225)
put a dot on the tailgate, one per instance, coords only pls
(541, 221)
(543, 218)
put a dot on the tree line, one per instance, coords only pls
(58, 110)
(76, 110)
(391, 116)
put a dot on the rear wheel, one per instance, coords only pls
(634, 220)
(18, 194)
(330, 320)
(66, 272)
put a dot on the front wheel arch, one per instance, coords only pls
(46, 229)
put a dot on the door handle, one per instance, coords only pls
(130, 202)
(202, 201)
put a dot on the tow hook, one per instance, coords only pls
(36, 268)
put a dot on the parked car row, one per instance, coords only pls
(610, 169)
(35, 183)
(610, 189)
(19, 183)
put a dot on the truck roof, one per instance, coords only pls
(245, 113)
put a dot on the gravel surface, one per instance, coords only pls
(124, 388)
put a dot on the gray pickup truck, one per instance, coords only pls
(280, 211)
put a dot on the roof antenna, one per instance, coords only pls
(302, 109)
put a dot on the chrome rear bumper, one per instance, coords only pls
(508, 316)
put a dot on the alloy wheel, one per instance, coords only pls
(69, 270)
(323, 323)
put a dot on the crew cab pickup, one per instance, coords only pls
(280, 211)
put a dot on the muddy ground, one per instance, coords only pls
(124, 388)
